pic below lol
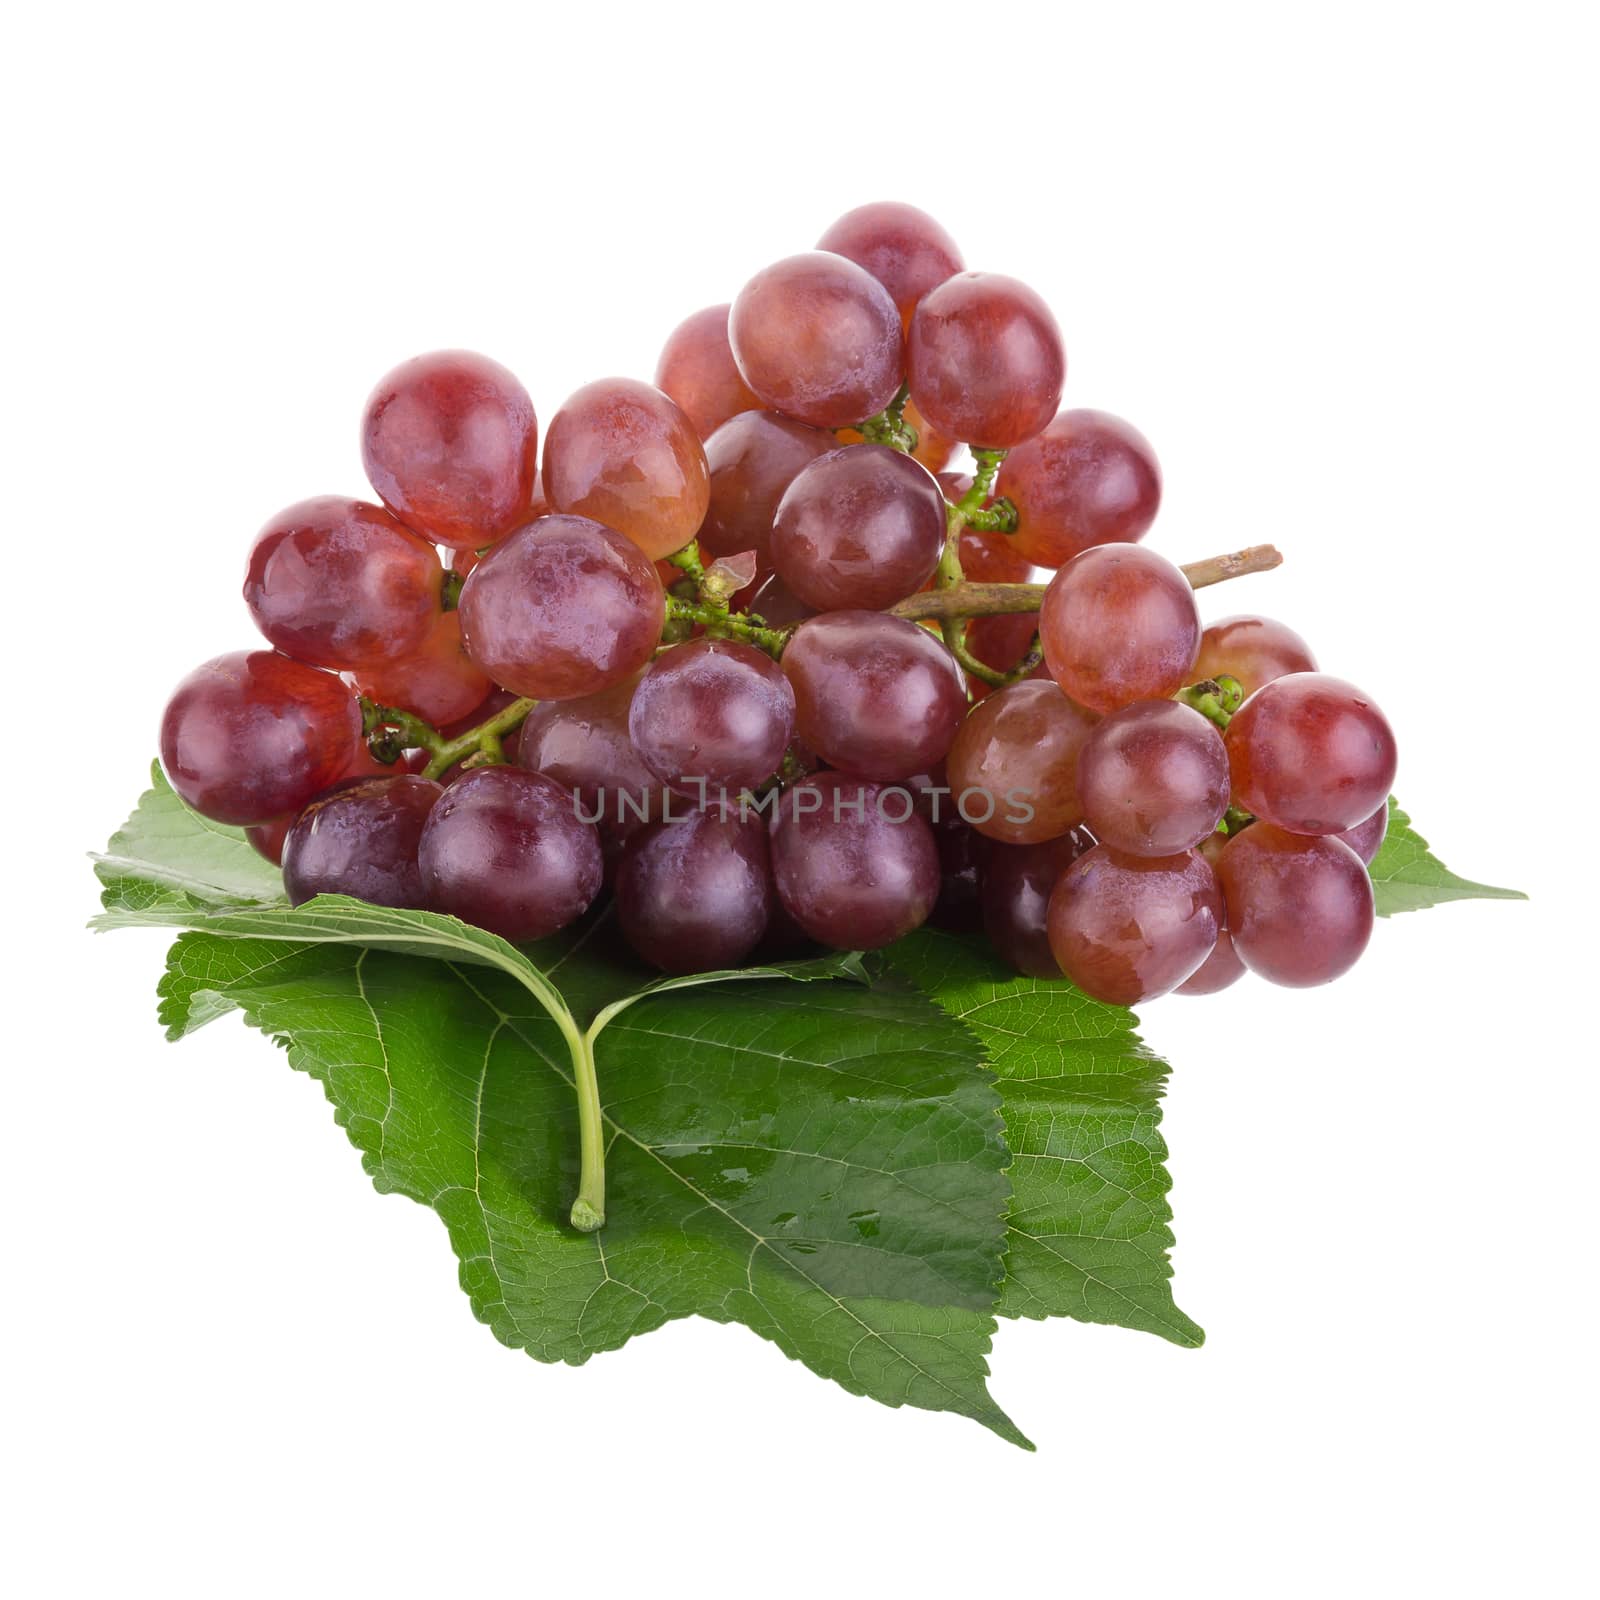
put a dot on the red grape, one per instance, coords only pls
(1366, 838)
(753, 459)
(1014, 763)
(622, 453)
(564, 607)
(584, 745)
(694, 893)
(902, 247)
(698, 370)
(1311, 753)
(450, 442)
(713, 712)
(1153, 778)
(252, 735)
(1220, 970)
(1129, 928)
(1255, 650)
(1119, 624)
(337, 583)
(361, 840)
(461, 562)
(818, 338)
(505, 850)
(266, 838)
(863, 526)
(777, 604)
(874, 695)
(438, 682)
(1017, 883)
(1300, 909)
(1090, 478)
(985, 360)
(853, 867)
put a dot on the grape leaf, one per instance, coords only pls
(1407, 876)
(824, 1166)
(1088, 1232)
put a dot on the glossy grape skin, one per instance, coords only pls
(861, 527)
(1153, 779)
(1255, 650)
(1300, 909)
(584, 745)
(1019, 748)
(875, 695)
(1311, 753)
(450, 442)
(818, 338)
(438, 682)
(903, 248)
(1120, 624)
(461, 562)
(361, 840)
(1220, 970)
(504, 850)
(852, 882)
(1366, 838)
(698, 371)
(339, 583)
(564, 607)
(266, 838)
(1015, 896)
(694, 893)
(712, 711)
(1126, 929)
(753, 458)
(985, 361)
(251, 735)
(1089, 478)
(622, 453)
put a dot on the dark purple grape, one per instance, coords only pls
(337, 583)
(875, 695)
(1153, 779)
(1311, 753)
(985, 361)
(1129, 928)
(504, 849)
(777, 604)
(1366, 838)
(563, 608)
(854, 864)
(361, 841)
(713, 712)
(252, 735)
(1300, 908)
(861, 527)
(1014, 763)
(450, 442)
(818, 338)
(1017, 883)
(693, 893)
(753, 458)
(584, 745)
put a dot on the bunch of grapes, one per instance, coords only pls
(842, 626)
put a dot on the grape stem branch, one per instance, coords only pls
(389, 730)
(1010, 599)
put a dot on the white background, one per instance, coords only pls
(1337, 263)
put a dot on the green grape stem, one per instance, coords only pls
(389, 730)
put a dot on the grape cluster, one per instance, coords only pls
(751, 650)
